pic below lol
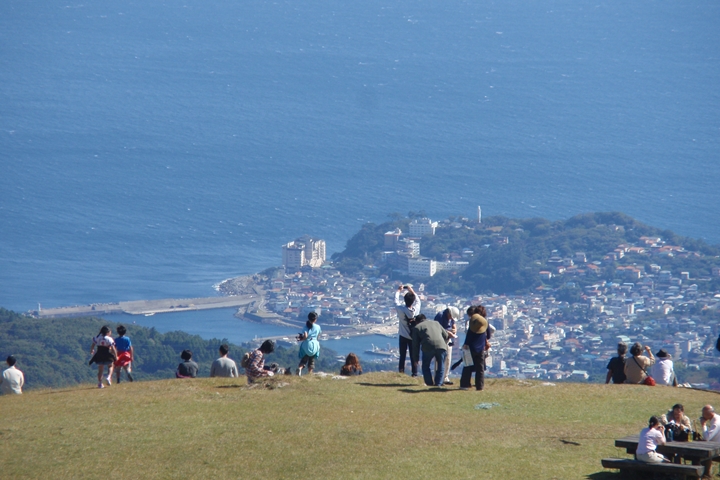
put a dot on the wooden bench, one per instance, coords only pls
(684, 471)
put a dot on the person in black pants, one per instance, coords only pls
(407, 306)
(475, 341)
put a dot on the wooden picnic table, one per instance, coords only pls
(696, 451)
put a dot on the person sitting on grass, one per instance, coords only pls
(126, 354)
(256, 363)
(352, 366)
(616, 365)
(650, 437)
(103, 354)
(12, 379)
(310, 347)
(224, 366)
(637, 365)
(188, 368)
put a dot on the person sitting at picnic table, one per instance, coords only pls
(677, 415)
(636, 366)
(710, 422)
(650, 437)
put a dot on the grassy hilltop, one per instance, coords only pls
(379, 425)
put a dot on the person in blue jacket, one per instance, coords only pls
(310, 346)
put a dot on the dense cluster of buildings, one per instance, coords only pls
(538, 336)
(402, 251)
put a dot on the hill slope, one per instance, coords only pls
(380, 425)
(55, 352)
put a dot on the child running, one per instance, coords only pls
(125, 354)
(103, 354)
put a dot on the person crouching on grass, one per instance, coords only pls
(126, 354)
(103, 354)
(310, 347)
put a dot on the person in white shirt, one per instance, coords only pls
(407, 307)
(12, 379)
(663, 371)
(710, 422)
(650, 438)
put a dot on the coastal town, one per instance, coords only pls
(538, 335)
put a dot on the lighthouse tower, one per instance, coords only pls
(479, 214)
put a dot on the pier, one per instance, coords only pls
(148, 307)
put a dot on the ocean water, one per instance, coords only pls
(151, 149)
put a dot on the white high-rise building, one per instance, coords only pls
(421, 227)
(303, 251)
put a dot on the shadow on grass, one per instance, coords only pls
(364, 384)
(230, 386)
(604, 476)
(53, 392)
(429, 390)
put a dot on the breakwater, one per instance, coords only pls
(148, 307)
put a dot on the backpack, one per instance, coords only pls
(245, 362)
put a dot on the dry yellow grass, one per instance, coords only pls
(376, 426)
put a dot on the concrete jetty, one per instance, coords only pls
(148, 307)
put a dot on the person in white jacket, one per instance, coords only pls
(663, 371)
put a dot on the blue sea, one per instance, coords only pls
(152, 149)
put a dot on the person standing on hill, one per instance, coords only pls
(12, 379)
(476, 342)
(224, 366)
(616, 365)
(407, 307)
(636, 366)
(103, 354)
(126, 354)
(256, 363)
(432, 338)
(448, 319)
(188, 368)
(310, 346)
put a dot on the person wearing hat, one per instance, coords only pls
(475, 341)
(663, 371)
(12, 379)
(448, 319)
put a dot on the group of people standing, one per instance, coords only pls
(639, 368)
(435, 339)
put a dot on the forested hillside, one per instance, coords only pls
(508, 254)
(55, 352)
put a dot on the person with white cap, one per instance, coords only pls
(448, 319)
